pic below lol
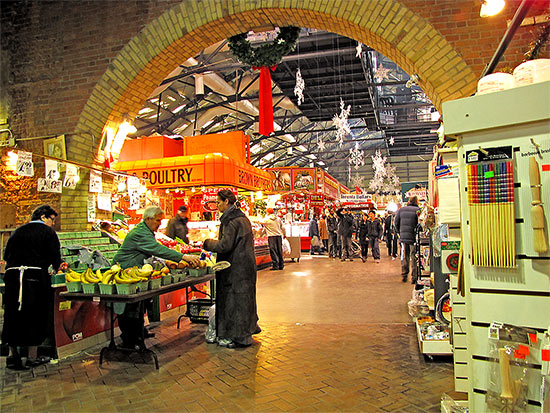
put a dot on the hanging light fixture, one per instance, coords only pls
(491, 7)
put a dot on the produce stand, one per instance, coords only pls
(139, 297)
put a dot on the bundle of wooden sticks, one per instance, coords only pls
(492, 217)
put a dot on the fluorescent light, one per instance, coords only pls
(256, 148)
(178, 109)
(301, 148)
(145, 110)
(269, 156)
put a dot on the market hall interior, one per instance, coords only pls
(336, 336)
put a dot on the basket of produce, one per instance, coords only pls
(177, 277)
(126, 289)
(143, 286)
(167, 279)
(107, 288)
(74, 286)
(197, 272)
(88, 288)
(129, 280)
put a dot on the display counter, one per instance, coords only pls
(202, 230)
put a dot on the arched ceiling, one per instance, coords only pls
(388, 112)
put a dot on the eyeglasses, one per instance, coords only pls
(52, 219)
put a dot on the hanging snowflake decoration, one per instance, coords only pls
(357, 180)
(299, 88)
(341, 123)
(385, 179)
(320, 143)
(356, 157)
(358, 50)
(392, 140)
(382, 73)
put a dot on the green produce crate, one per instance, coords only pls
(143, 286)
(176, 278)
(167, 279)
(90, 288)
(197, 272)
(58, 279)
(126, 289)
(155, 283)
(210, 270)
(107, 289)
(74, 286)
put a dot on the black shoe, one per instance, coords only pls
(343, 259)
(363, 259)
(37, 361)
(234, 344)
(15, 363)
(281, 268)
(273, 269)
(404, 279)
(351, 259)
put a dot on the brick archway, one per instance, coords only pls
(189, 27)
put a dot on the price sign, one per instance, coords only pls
(49, 185)
(71, 177)
(51, 169)
(24, 166)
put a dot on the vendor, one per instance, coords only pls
(139, 244)
(177, 226)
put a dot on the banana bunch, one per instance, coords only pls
(133, 275)
(72, 276)
(90, 277)
(108, 276)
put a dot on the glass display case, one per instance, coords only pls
(297, 229)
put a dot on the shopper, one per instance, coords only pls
(362, 236)
(323, 232)
(332, 227)
(315, 245)
(390, 235)
(30, 251)
(374, 234)
(275, 232)
(346, 230)
(405, 225)
(236, 312)
(177, 226)
(140, 244)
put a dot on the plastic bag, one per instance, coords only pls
(315, 242)
(286, 247)
(211, 330)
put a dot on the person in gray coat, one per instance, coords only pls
(406, 221)
(346, 230)
(236, 311)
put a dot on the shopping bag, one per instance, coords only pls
(211, 330)
(315, 241)
(286, 247)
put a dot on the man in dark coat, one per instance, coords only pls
(405, 225)
(30, 251)
(332, 226)
(391, 236)
(314, 235)
(177, 226)
(346, 229)
(236, 312)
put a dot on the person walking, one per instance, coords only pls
(406, 221)
(236, 310)
(390, 235)
(362, 237)
(374, 233)
(275, 232)
(314, 234)
(346, 230)
(177, 226)
(30, 251)
(323, 232)
(332, 227)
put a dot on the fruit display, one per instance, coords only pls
(114, 275)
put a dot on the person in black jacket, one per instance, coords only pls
(390, 235)
(332, 226)
(374, 233)
(362, 237)
(405, 225)
(346, 230)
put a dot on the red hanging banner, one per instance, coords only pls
(266, 100)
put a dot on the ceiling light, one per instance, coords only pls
(491, 7)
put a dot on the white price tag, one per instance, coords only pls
(96, 184)
(24, 165)
(71, 177)
(49, 185)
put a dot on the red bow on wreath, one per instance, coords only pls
(266, 100)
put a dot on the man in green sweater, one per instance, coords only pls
(140, 244)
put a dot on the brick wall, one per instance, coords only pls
(73, 67)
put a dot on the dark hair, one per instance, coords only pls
(46, 210)
(413, 200)
(226, 194)
(182, 208)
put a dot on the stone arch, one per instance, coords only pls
(190, 26)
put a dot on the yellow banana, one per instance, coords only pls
(72, 276)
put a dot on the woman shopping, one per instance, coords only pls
(236, 313)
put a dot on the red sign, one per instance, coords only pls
(331, 186)
(316, 200)
(209, 197)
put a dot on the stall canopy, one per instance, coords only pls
(198, 170)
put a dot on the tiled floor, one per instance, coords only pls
(336, 337)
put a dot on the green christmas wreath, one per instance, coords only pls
(267, 54)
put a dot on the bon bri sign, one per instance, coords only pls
(250, 180)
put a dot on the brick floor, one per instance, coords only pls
(336, 337)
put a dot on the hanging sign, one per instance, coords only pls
(91, 208)
(49, 185)
(51, 169)
(104, 201)
(316, 200)
(133, 192)
(71, 176)
(209, 197)
(24, 165)
(96, 184)
(304, 178)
